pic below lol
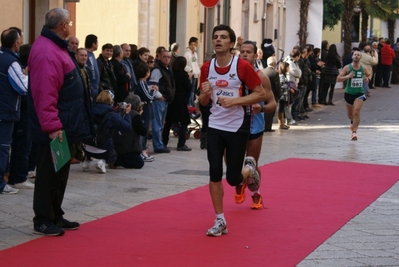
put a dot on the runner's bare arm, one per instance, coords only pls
(205, 93)
(258, 94)
(344, 75)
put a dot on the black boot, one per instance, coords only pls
(203, 139)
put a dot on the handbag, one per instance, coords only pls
(285, 90)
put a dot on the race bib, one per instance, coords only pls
(357, 82)
(230, 93)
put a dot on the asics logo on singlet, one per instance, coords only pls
(232, 76)
(224, 93)
(212, 78)
(221, 83)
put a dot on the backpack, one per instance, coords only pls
(102, 134)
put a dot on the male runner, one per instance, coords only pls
(222, 81)
(355, 75)
(254, 146)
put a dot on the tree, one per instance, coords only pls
(365, 21)
(391, 29)
(303, 21)
(347, 26)
(332, 13)
(386, 10)
(391, 17)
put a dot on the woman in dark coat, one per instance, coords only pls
(329, 74)
(177, 110)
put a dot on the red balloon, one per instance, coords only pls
(209, 3)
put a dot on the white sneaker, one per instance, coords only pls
(8, 190)
(146, 158)
(31, 175)
(25, 185)
(86, 166)
(100, 166)
(253, 181)
(218, 229)
(145, 152)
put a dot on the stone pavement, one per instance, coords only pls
(369, 239)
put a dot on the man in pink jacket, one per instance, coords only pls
(58, 101)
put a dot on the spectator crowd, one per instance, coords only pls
(136, 96)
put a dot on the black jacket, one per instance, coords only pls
(166, 83)
(177, 110)
(10, 100)
(122, 81)
(306, 72)
(129, 142)
(107, 76)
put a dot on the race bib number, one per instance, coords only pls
(357, 82)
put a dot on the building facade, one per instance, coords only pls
(153, 23)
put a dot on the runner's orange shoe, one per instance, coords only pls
(257, 202)
(240, 193)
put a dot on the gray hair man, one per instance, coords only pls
(59, 105)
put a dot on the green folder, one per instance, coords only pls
(60, 152)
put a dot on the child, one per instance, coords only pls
(147, 95)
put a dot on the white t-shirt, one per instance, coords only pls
(192, 62)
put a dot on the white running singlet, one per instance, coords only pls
(233, 119)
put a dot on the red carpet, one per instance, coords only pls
(304, 206)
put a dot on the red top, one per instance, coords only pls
(387, 55)
(243, 67)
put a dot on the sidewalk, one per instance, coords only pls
(370, 239)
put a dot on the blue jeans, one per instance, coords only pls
(6, 129)
(314, 92)
(191, 98)
(287, 111)
(159, 113)
(302, 93)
